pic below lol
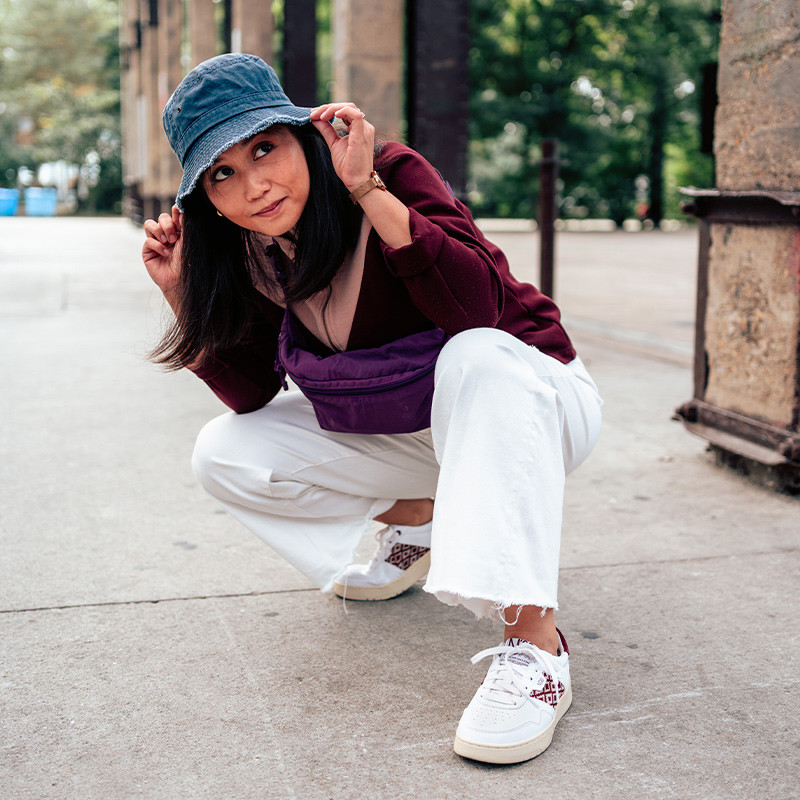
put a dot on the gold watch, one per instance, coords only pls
(373, 182)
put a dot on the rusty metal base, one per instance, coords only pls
(765, 453)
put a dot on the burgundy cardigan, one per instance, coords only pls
(450, 276)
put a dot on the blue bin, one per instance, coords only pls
(40, 202)
(9, 200)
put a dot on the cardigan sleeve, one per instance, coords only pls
(449, 269)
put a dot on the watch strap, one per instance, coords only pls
(373, 182)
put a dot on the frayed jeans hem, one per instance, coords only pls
(487, 607)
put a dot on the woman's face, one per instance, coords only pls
(261, 183)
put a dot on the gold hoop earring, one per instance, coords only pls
(219, 214)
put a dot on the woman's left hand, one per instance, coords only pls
(352, 155)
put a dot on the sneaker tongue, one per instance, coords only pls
(520, 658)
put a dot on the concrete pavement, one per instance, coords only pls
(150, 647)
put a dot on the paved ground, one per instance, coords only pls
(152, 648)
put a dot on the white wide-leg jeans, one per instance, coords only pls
(507, 424)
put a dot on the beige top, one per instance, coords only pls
(329, 314)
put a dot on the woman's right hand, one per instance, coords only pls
(161, 251)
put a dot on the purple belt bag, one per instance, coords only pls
(385, 389)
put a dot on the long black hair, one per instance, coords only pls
(221, 262)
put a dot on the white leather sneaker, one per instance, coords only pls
(514, 713)
(403, 557)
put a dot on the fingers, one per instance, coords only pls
(327, 130)
(348, 113)
(161, 250)
(177, 217)
(162, 235)
(352, 154)
(153, 247)
(358, 128)
(327, 112)
(166, 230)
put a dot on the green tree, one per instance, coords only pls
(612, 80)
(524, 58)
(59, 90)
(667, 44)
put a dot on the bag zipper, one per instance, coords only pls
(280, 370)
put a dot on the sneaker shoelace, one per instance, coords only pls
(386, 538)
(515, 670)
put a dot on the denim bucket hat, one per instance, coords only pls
(220, 102)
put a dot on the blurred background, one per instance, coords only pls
(627, 87)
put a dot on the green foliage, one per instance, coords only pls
(59, 91)
(612, 80)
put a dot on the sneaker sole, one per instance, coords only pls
(520, 751)
(417, 571)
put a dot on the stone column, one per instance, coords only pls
(251, 28)
(202, 31)
(169, 76)
(368, 59)
(130, 90)
(150, 115)
(754, 270)
(758, 116)
(747, 376)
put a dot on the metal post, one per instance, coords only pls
(437, 95)
(547, 216)
(300, 51)
(227, 25)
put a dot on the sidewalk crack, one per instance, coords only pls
(107, 603)
(687, 560)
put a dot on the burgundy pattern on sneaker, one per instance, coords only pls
(403, 556)
(548, 694)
